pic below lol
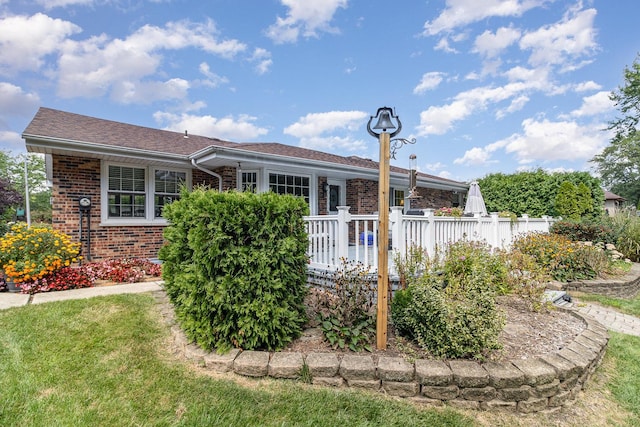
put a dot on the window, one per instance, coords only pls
(139, 194)
(289, 184)
(167, 188)
(249, 182)
(126, 195)
(398, 197)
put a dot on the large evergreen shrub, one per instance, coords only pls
(235, 268)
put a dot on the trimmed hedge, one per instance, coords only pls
(235, 268)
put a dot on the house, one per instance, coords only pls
(124, 174)
(612, 202)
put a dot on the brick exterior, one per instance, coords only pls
(74, 177)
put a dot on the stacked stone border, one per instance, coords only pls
(545, 383)
(625, 287)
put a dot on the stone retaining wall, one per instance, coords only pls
(626, 287)
(545, 383)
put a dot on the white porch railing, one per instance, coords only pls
(353, 237)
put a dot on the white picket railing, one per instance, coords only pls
(353, 237)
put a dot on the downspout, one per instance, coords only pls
(212, 173)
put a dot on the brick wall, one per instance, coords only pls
(74, 177)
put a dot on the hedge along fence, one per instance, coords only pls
(235, 268)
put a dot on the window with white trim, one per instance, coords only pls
(397, 197)
(139, 194)
(249, 181)
(290, 184)
(127, 192)
(167, 188)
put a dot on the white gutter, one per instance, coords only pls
(205, 170)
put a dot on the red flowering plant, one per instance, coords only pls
(446, 211)
(61, 280)
(123, 270)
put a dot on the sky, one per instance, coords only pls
(483, 86)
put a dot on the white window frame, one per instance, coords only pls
(149, 180)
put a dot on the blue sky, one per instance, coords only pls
(484, 86)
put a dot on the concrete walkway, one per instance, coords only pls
(10, 299)
(610, 318)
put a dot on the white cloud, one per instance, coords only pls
(25, 41)
(213, 80)
(239, 128)
(562, 42)
(429, 81)
(586, 86)
(305, 18)
(594, 105)
(314, 124)
(51, 4)
(98, 65)
(263, 59)
(439, 120)
(490, 44)
(548, 141)
(462, 12)
(11, 141)
(517, 104)
(474, 157)
(149, 92)
(15, 102)
(313, 128)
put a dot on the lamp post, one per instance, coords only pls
(385, 123)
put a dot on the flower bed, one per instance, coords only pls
(125, 270)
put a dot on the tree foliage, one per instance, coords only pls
(619, 162)
(12, 171)
(535, 192)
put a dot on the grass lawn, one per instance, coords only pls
(101, 362)
(104, 362)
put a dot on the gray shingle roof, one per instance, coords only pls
(50, 124)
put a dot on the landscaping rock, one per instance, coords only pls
(252, 363)
(498, 405)
(395, 369)
(442, 393)
(285, 365)
(480, 394)
(365, 384)
(515, 394)
(504, 375)
(564, 367)
(532, 405)
(401, 389)
(433, 372)
(322, 364)
(536, 371)
(357, 368)
(328, 381)
(467, 373)
(221, 362)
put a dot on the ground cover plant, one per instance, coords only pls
(346, 312)
(107, 364)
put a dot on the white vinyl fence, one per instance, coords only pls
(353, 237)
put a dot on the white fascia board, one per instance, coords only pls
(90, 149)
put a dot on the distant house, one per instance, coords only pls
(130, 172)
(612, 202)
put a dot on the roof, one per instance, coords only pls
(96, 134)
(608, 195)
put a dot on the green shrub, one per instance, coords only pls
(626, 230)
(347, 315)
(526, 278)
(563, 259)
(451, 310)
(235, 268)
(584, 231)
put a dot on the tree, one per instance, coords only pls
(534, 192)
(567, 201)
(12, 170)
(619, 162)
(8, 196)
